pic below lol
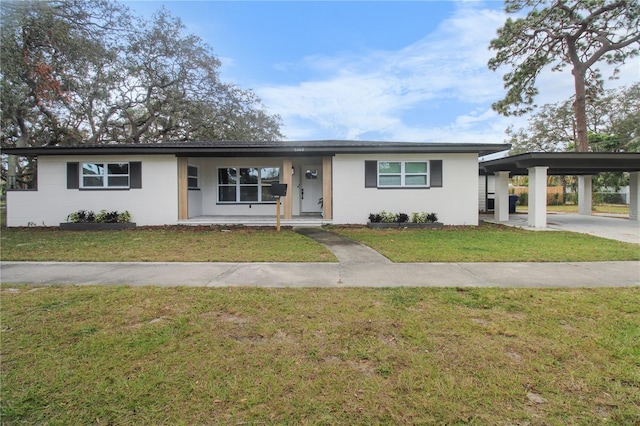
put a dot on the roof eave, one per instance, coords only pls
(293, 150)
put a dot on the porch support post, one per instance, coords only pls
(501, 207)
(634, 195)
(537, 216)
(585, 198)
(287, 165)
(327, 187)
(183, 189)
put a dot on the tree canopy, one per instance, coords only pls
(561, 33)
(613, 122)
(76, 72)
(613, 125)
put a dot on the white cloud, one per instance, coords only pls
(371, 96)
(362, 96)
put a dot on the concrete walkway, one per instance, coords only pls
(359, 266)
(346, 250)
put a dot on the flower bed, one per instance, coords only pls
(385, 220)
(84, 220)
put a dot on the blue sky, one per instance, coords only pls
(368, 70)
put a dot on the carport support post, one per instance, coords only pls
(634, 195)
(501, 207)
(537, 216)
(585, 198)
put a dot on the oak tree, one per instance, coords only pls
(76, 72)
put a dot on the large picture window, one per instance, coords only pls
(403, 174)
(105, 175)
(246, 184)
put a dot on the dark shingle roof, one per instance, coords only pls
(264, 148)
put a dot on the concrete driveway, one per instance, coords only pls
(614, 228)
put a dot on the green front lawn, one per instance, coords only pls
(168, 244)
(489, 243)
(151, 356)
(485, 243)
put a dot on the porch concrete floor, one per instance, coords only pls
(303, 220)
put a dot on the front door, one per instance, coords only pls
(311, 189)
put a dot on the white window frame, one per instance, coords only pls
(106, 176)
(238, 186)
(403, 174)
(190, 167)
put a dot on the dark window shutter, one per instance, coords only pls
(370, 174)
(436, 173)
(135, 174)
(73, 175)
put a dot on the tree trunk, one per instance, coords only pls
(12, 160)
(580, 108)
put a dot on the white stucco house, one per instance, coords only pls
(339, 182)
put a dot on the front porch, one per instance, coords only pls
(236, 190)
(244, 220)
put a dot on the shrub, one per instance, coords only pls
(375, 218)
(84, 216)
(387, 217)
(402, 218)
(608, 198)
(107, 217)
(81, 216)
(571, 198)
(124, 217)
(523, 199)
(416, 217)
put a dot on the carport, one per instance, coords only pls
(538, 165)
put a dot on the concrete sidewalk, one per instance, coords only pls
(516, 275)
(359, 266)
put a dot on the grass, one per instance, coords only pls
(486, 243)
(168, 244)
(152, 356)
(489, 243)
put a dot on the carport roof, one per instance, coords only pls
(565, 163)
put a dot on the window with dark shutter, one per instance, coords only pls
(135, 174)
(101, 176)
(436, 173)
(370, 174)
(403, 174)
(73, 175)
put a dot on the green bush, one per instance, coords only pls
(386, 217)
(608, 198)
(84, 216)
(523, 199)
(571, 198)
(402, 218)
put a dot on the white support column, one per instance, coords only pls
(634, 195)
(501, 207)
(585, 198)
(537, 216)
